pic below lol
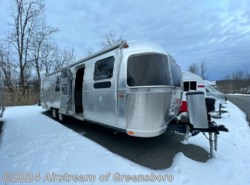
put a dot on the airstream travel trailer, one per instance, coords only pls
(191, 83)
(1, 99)
(133, 87)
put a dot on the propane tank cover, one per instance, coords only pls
(197, 110)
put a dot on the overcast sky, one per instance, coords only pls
(190, 30)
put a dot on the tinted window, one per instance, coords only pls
(148, 70)
(193, 86)
(186, 86)
(176, 73)
(104, 68)
(57, 87)
(190, 86)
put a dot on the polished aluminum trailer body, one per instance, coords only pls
(135, 88)
(1, 99)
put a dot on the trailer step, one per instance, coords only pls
(79, 116)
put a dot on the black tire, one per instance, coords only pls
(55, 113)
(61, 117)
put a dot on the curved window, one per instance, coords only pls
(176, 73)
(148, 70)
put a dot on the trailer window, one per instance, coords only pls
(57, 86)
(190, 86)
(176, 73)
(186, 86)
(104, 68)
(148, 70)
(193, 86)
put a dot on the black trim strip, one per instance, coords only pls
(101, 85)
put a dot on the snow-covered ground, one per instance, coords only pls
(237, 94)
(36, 148)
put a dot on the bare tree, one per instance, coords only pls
(48, 55)
(203, 69)
(63, 58)
(227, 77)
(110, 39)
(88, 52)
(25, 15)
(237, 82)
(194, 68)
(199, 69)
(238, 75)
(38, 45)
(8, 69)
(248, 77)
(68, 56)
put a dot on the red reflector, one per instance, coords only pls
(130, 132)
(200, 86)
(184, 106)
(125, 45)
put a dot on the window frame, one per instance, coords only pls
(97, 77)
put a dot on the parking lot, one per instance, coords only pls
(155, 153)
(243, 102)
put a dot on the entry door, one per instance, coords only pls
(66, 89)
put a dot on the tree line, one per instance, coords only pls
(235, 82)
(29, 51)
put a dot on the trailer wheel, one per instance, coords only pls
(54, 113)
(61, 117)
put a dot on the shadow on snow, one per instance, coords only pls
(155, 153)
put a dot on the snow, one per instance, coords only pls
(34, 144)
(238, 94)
